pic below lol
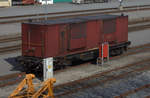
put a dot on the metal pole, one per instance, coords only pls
(48, 68)
(44, 69)
(102, 54)
(120, 6)
(108, 52)
(46, 10)
(10, 2)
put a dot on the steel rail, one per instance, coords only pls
(66, 12)
(103, 73)
(11, 79)
(139, 27)
(10, 49)
(75, 14)
(143, 68)
(133, 91)
(9, 39)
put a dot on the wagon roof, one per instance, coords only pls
(58, 21)
(99, 16)
(75, 20)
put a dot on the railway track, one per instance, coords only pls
(106, 76)
(101, 78)
(9, 49)
(11, 79)
(56, 15)
(131, 51)
(139, 26)
(65, 90)
(10, 44)
(43, 14)
(133, 91)
(8, 39)
(17, 77)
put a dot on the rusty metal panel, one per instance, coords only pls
(33, 40)
(77, 36)
(109, 29)
(109, 26)
(24, 38)
(63, 37)
(122, 29)
(93, 33)
(52, 41)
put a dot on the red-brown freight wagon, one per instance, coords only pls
(28, 2)
(72, 39)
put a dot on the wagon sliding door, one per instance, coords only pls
(33, 40)
(109, 29)
(77, 36)
(63, 31)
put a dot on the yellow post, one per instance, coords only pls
(50, 87)
(47, 85)
(28, 81)
(30, 91)
(30, 88)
